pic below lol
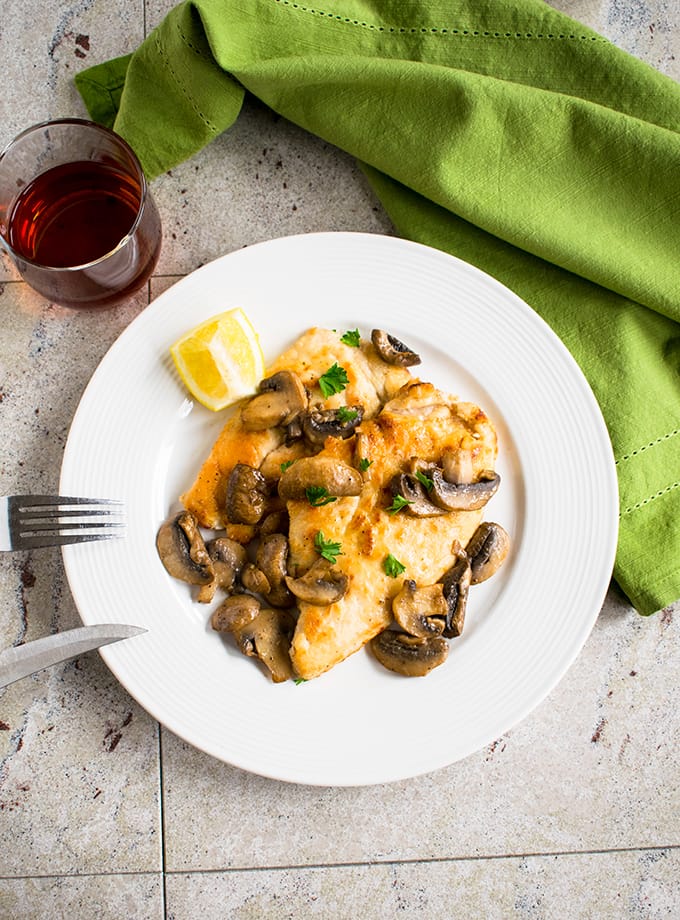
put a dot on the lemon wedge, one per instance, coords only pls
(220, 360)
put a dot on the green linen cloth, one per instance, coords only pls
(501, 131)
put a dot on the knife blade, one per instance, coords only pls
(22, 660)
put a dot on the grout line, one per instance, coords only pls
(349, 865)
(161, 802)
(432, 861)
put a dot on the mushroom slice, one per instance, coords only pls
(263, 634)
(409, 655)
(410, 489)
(422, 611)
(463, 496)
(272, 560)
(228, 558)
(279, 399)
(267, 637)
(322, 584)
(336, 477)
(246, 496)
(392, 351)
(319, 424)
(235, 613)
(487, 549)
(274, 522)
(456, 587)
(182, 550)
(254, 579)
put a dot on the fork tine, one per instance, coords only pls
(28, 527)
(51, 501)
(54, 513)
(39, 542)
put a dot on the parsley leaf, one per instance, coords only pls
(334, 380)
(286, 464)
(364, 464)
(327, 548)
(345, 414)
(424, 480)
(318, 496)
(392, 566)
(351, 337)
(398, 504)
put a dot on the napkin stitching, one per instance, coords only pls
(651, 498)
(192, 102)
(473, 33)
(640, 450)
(187, 41)
(636, 453)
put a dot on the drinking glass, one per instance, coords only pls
(76, 215)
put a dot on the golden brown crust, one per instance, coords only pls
(371, 382)
(420, 422)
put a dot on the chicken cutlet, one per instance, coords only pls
(370, 382)
(420, 422)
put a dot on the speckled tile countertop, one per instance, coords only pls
(103, 814)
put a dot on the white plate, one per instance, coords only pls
(136, 436)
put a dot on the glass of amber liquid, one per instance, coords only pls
(76, 215)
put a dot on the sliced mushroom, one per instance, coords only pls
(336, 477)
(322, 584)
(263, 634)
(410, 489)
(416, 465)
(228, 558)
(456, 587)
(319, 424)
(487, 550)
(269, 638)
(392, 351)
(235, 613)
(182, 550)
(254, 579)
(272, 559)
(409, 655)
(280, 398)
(463, 496)
(274, 522)
(421, 611)
(246, 497)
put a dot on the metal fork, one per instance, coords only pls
(32, 521)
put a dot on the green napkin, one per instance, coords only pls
(498, 130)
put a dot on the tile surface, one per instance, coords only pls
(636, 885)
(103, 813)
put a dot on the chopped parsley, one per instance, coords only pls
(351, 337)
(318, 496)
(334, 380)
(398, 504)
(424, 480)
(345, 414)
(392, 566)
(286, 465)
(364, 464)
(327, 548)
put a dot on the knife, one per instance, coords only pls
(22, 660)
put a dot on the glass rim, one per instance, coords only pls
(83, 123)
